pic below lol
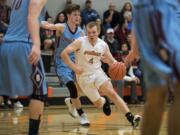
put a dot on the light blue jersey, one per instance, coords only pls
(156, 26)
(65, 73)
(18, 26)
(17, 76)
(67, 38)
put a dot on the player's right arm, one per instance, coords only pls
(58, 26)
(34, 11)
(134, 52)
(73, 47)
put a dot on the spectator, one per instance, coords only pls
(112, 43)
(127, 7)
(114, 49)
(48, 45)
(4, 12)
(89, 14)
(60, 18)
(130, 78)
(110, 17)
(121, 32)
(128, 19)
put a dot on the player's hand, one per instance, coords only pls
(78, 70)
(35, 54)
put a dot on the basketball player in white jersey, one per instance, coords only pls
(89, 51)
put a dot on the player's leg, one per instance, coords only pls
(107, 89)
(73, 103)
(174, 122)
(36, 105)
(153, 112)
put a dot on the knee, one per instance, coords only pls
(72, 89)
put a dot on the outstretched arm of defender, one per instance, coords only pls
(58, 26)
(74, 46)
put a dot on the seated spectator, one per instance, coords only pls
(130, 79)
(127, 7)
(128, 18)
(4, 12)
(112, 43)
(89, 14)
(47, 45)
(121, 32)
(60, 18)
(110, 17)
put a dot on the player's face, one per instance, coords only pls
(92, 34)
(74, 17)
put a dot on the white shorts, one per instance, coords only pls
(91, 83)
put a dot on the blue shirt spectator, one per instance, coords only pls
(89, 14)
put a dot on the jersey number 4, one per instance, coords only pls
(16, 4)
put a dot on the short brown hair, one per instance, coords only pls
(72, 7)
(92, 24)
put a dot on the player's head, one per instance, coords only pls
(93, 30)
(73, 13)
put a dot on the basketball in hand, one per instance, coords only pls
(117, 71)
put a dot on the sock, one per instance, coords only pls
(80, 111)
(129, 116)
(34, 126)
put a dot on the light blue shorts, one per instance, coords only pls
(17, 76)
(157, 30)
(64, 72)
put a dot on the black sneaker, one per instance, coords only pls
(136, 121)
(107, 107)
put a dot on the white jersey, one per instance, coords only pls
(89, 57)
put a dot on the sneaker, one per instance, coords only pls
(18, 104)
(84, 120)
(136, 120)
(71, 108)
(8, 103)
(107, 107)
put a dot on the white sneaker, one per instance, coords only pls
(71, 108)
(84, 120)
(18, 104)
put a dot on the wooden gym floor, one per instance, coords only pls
(57, 121)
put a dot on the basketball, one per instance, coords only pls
(117, 71)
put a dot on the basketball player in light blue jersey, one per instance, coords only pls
(21, 69)
(158, 35)
(69, 32)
